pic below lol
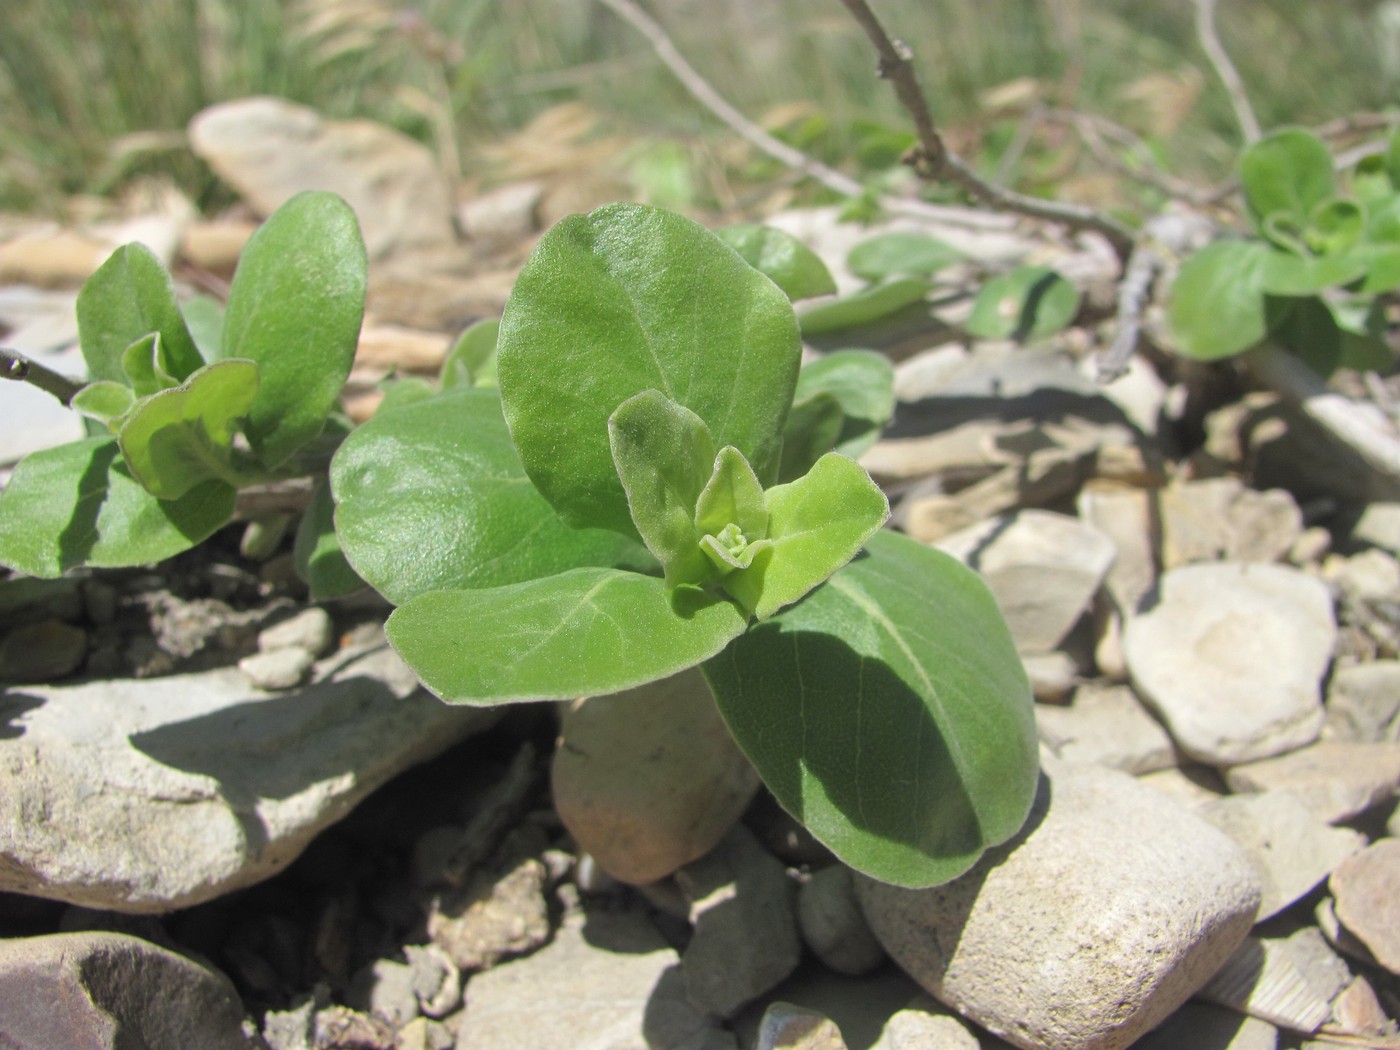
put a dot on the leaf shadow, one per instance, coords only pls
(13, 704)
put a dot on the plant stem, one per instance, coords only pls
(932, 160)
(1225, 70)
(15, 365)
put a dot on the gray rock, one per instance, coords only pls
(744, 914)
(1125, 516)
(788, 1027)
(1379, 525)
(278, 669)
(640, 821)
(917, 1028)
(269, 149)
(1336, 779)
(607, 981)
(1324, 970)
(109, 991)
(1021, 944)
(310, 629)
(1052, 675)
(833, 925)
(436, 980)
(1372, 575)
(1201, 1026)
(1191, 784)
(165, 792)
(1363, 702)
(1262, 980)
(1366, 892)
(1043, 569)
(1231, 658)
(1293, 850)
(1220, 519)
(492, 918)
(42, 652)
(385, 990)
(1106, 725)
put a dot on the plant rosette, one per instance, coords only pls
(655, 484)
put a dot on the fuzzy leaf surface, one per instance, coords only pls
(316, 550)
(77, 504)
(786, 261)
(295, 307)
(630, 298)
(889, 713)
(581, 633)
(129, 297)
(432, 496)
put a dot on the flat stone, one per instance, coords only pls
(1292, 848)
(1336, 779)
(1323, 969)
(110, 991)
(743, 910)
(605, 982)
(832, 924)
(1201, 1026)
(1379, 525)
(1125, 516)
(162, 793)
(641, 821)
(917, 1028)
(1261, 979)
(1042, 568)
(1373, 575)
(1052, 675)
(277, 669)
(1051, 953)
(1220, 519)
(1358, 1011)
(1366, 892)
(1363, 702)
(1231, 658)
(1106, 725)
(1191, 784)
(310, 629)
(269, 149)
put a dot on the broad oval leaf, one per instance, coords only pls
(316, 551)
(295, 308)
(581, 633)
(472, 359)
(1217, 303)
(129, 297)
(901, 253)
(183, 437)
(1288, 171)
(77, 504)
(1029, 302)
(868, 305)
(105, 401)
(631, 298)
(889, 713)
(780, 256)
(432, 496)
(862, 382)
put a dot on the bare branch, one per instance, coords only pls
(1225, 70)
(932, 159)
(712, 100)
(15, 365)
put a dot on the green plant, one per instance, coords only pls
(653, 487)
(184, 427)
(1310, 278)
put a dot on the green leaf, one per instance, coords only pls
(433, 496)
(732, 497)
(1217, 303)
(815, 525)
(581, 633)
(105, 401)
(812, 430)
(129, 297)
(1288, 171)
(785, 260)
(204, 317)
(77, 504)
(316, 550)
(664, 457)
(145, 366)
(1382, 268)
(403, 391)
(889, 713)
(874, 303)
(862, 382)
(902, 253)
(1392, 159)
(626, 299)
(295, 308)
(1335, 225)
(180, 438)
(1029, 302)
(472, 358)
(1284, 273)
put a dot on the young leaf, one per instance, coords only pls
(863, 307)
(77, 504)
(626, 299)
(1217, 306)
(815, 525)
(316, 550)
(105, 401)
(889, 713)
(732, 497)
(295, 308)
(129, 297)
(581, 633)
(1288, 171)
(1029, 302)
(472, 359)
(862, 382)
(183, 437)
(1335, 225)
(786, 261)
(432, 496)
(664, 457)
(901, 253)
(204, 317)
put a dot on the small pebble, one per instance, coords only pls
(1366, 891)
(311, 629)
(278, 669)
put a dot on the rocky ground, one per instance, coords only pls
(230, 819)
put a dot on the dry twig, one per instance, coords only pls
(15, 365)
(1225, 70)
